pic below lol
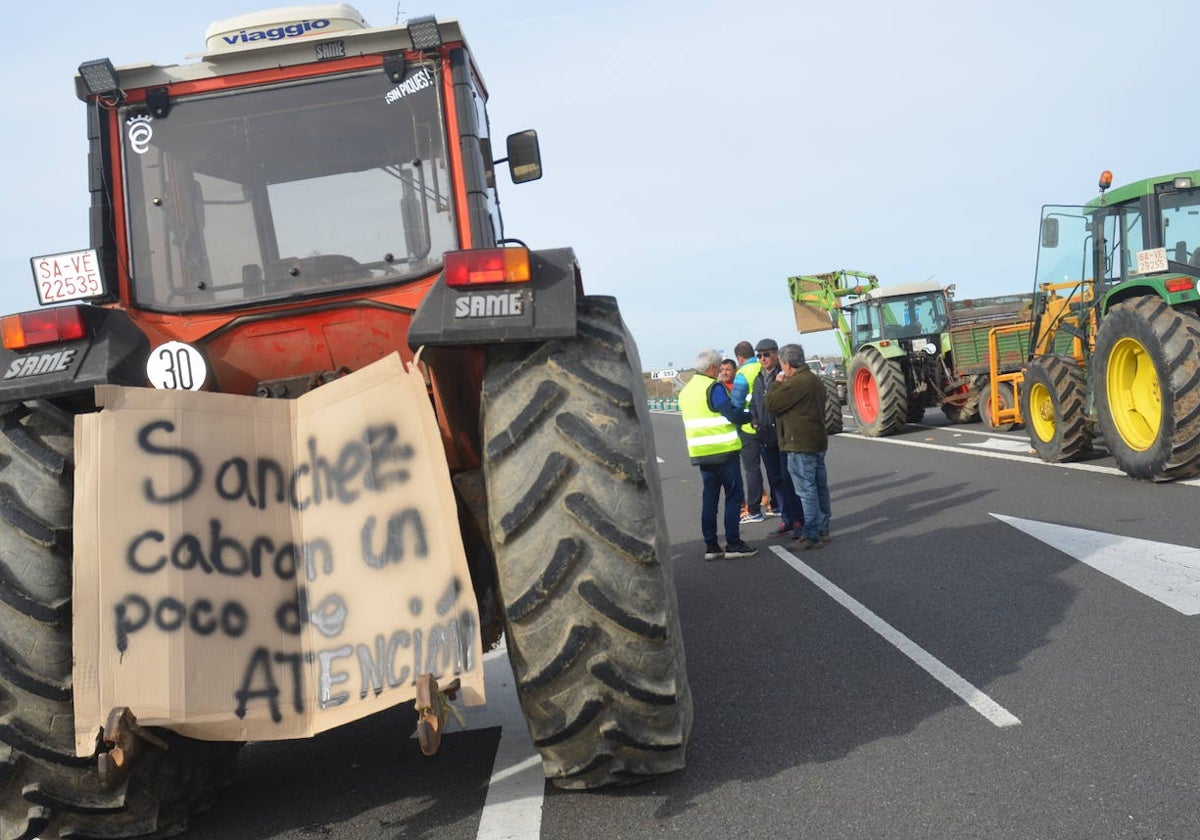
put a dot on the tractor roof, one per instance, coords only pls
(1139, 188)
(903, 289)
(279, 38)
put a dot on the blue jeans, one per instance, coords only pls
(725, 476)
(812, 486)
(789, 504)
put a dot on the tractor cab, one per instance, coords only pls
(909, 312)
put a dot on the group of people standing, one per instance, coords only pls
(768, 408)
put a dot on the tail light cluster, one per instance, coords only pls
(43, 326)
(486, 266)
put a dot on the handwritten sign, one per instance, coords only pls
(250, 569)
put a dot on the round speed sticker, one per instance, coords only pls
(176, 366)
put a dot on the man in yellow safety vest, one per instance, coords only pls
(710, 421)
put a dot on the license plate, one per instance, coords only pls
(1152, 261)
(72, 276)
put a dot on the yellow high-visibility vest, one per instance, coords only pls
(709, 435)
(750, 372)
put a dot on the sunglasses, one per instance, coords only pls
(765, 353)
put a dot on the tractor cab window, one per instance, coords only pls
(1131, 240)
(913, 316)
(864, 323)
(287, 190)
(1064, 254)
(1181, 227)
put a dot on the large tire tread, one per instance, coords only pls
(45, 789)
(1171, 336)
(1063, 379)
(834, 422)
(581, 551)
(888, 376)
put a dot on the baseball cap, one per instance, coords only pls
(766, 344)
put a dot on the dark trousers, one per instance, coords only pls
(717, 477)
(751, 455)
(773, 465)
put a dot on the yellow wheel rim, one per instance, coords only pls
(1133, 394)
(1041, 406)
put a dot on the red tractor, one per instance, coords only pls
(312, 195)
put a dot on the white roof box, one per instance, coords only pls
(274, 25)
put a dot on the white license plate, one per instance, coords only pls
(73, 276)
(1152, 261)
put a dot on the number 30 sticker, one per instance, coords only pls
(176, 366)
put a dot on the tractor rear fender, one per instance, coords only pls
(541, 309)
(113, 351)
(888, 349)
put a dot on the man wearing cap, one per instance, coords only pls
(783, 494)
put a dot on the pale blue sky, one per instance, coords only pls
(698, 153)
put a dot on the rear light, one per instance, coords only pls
(1180, 284)
(45, 326)
(488, 265)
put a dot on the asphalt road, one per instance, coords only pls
(936, 672)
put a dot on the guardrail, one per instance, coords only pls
(662, 404)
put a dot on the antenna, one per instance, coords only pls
(399, 13)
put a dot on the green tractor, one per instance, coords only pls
(896, 345)
(1114, 348)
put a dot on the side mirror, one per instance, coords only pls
(1050, 232)
(524, 157)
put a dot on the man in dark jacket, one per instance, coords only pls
(798, 402)
(783, 494)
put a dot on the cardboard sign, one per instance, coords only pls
(254, 569)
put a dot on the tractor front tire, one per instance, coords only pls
(582, 557)
(876, 393)
(1146, 379)
(834, 423)
(1053, 406)
(45, 790)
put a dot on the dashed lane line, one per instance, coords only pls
(970, 695)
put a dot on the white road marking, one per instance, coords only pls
(1000, 444)
(983, 453)
(513, 807)
(971, 695)
(1170, 574)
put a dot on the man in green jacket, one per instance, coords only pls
(797, 399)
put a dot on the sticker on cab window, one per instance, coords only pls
(418, 81)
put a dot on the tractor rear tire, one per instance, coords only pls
(876, 393)
(582, 555)
(1146, 380)
(45, 789)
(1053, 405)
(834, 423)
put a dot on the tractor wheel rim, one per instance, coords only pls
(1132, 390)
(866, 396)
(1041, 407)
